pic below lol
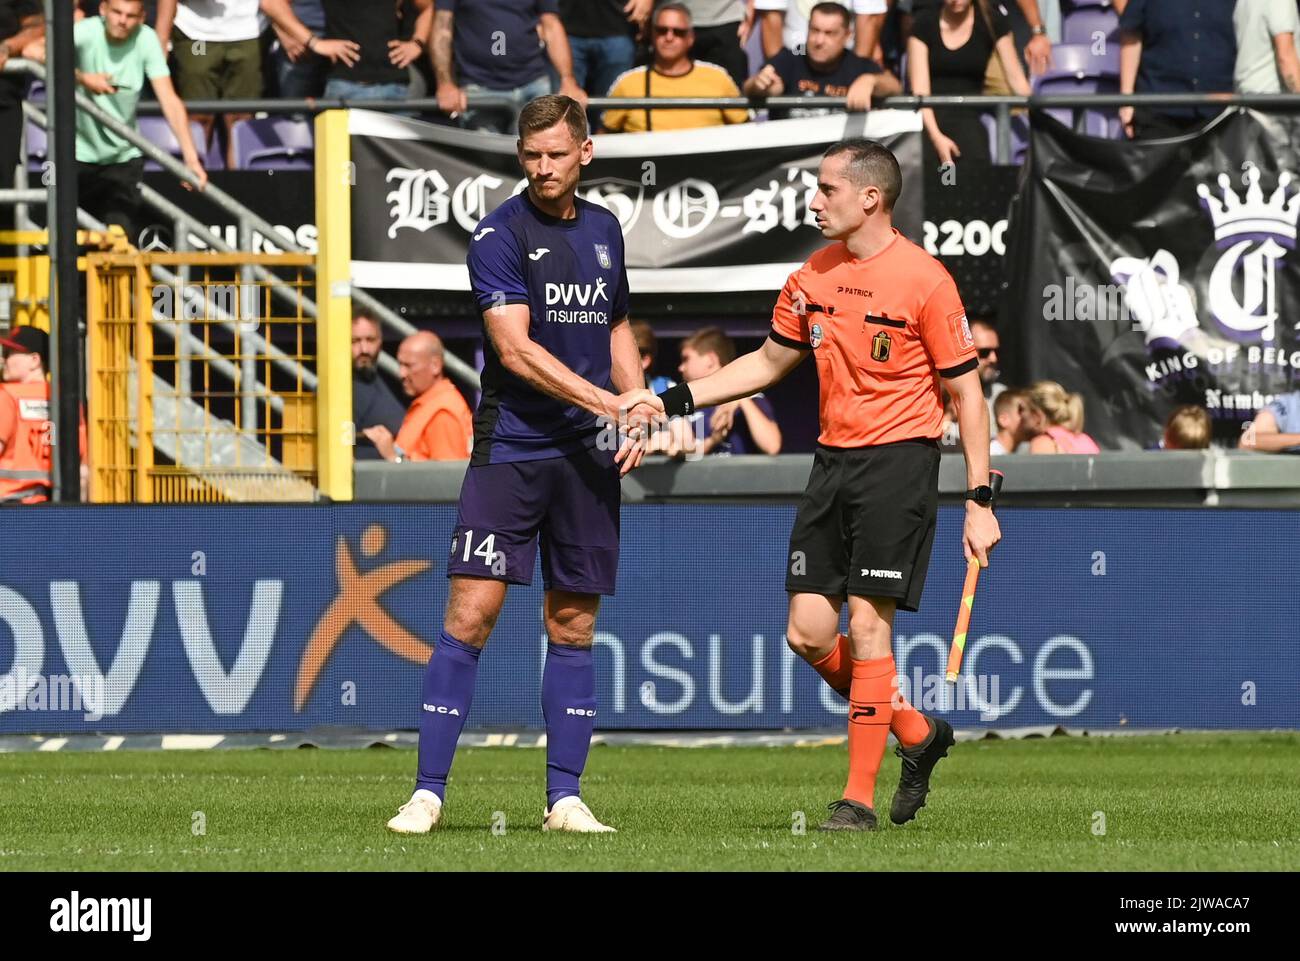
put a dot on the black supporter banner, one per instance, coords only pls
(966, 228)
(1150, 275)
(702, 210)
(960, 220)
(284, 198)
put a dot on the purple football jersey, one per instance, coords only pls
(572, 276)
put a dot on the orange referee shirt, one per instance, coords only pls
(438, 425)
(882, 331)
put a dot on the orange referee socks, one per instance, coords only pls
(909, 725)
(870, 710)
(836, 669)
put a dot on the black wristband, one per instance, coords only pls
(678, 401)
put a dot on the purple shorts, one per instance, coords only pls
(570, 502)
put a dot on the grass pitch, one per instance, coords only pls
(1171, 802)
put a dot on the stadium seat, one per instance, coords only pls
(1091, 121)
(38, 146)
(1083, 25)
(216, 156)
(1079, 60)
(1077, 71)
(274, 143)
(155, 130)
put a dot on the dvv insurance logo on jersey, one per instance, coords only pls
(577, 303)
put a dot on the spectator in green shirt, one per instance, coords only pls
(116, 53)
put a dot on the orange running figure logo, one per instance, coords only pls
(358, 603)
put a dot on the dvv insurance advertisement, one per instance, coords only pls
(224, 619)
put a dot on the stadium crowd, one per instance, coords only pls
(859, 49)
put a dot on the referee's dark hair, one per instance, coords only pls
(543, 113)
(870, 165)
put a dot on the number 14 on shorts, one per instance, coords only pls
(486, 549)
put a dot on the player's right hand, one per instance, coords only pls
(630, 454)
(633, 408)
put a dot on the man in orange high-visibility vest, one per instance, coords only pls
(25, 428)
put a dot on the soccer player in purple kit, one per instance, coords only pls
(547, 271)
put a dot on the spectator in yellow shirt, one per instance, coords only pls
(672, 74)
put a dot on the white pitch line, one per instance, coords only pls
(191, 742)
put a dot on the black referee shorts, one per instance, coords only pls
(866, 523)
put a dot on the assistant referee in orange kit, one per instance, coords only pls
(885, 322)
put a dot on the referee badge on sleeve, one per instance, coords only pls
(815, 336)
(880, 346)
(960, 326)
(602, 255)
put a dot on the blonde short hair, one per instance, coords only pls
(1188, 428)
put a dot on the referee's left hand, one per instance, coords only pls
(980, 533)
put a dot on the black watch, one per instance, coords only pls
(982, 495)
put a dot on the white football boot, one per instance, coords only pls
(570, 814)
(418, 815)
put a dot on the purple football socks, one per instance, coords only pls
(448, 692)
(569, 707)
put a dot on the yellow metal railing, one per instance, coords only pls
(25, 280)
(200, 378)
